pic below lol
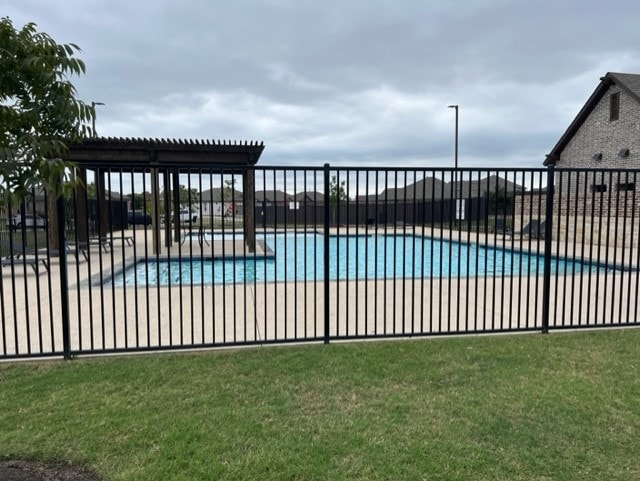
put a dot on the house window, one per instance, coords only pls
(614, 106)
(598, 187)
(626, 186)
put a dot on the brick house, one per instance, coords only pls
(604, 135)
(606, 131)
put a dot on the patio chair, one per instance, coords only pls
(192, 235)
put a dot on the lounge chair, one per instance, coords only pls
(16, 254)
(107, 241)
(534, 229)
(103, 243)
(27, 254)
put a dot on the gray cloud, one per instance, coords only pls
(351, 82)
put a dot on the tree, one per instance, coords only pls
(141, 201)
(188, 197)
(337, 194)
(500, 201)
(227, 194)
(91, 190)
(39, 112)
(337, 191)
(228, 190)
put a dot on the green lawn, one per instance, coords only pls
(530, 407)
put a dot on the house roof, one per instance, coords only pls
(216, 195)
(423, 189)
(309, 196)
(434, 188)
(477, 188)
(629, 83)
(428, 188)
(272, 196)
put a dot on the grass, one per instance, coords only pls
(555, 407)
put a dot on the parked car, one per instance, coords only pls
(187, 216)
(30, 220)
(138, 217)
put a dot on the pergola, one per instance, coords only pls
(169, 158)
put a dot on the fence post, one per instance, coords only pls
(64, 279)
(326, 254)
(548, 232)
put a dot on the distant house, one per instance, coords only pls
(424, 189)
(432, 188)
(221, 202)
(309, 197)
(306, 199)
(270, 198)
(115, 216)
(484, 186)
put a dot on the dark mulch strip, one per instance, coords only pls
(35, 471)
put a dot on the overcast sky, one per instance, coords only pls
(351, 82)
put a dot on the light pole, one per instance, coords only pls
(93, 120)
(456, 154)
(455, 173)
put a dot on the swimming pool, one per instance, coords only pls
(300, 257)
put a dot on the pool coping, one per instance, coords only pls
(529, 246)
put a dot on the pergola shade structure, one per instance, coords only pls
(169, 158)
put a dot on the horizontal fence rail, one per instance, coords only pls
(194, 256)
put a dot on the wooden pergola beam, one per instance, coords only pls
(172, 158)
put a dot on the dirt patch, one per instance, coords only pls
(35, 471)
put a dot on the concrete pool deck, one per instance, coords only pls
(160, 317)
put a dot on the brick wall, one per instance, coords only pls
(600, 135)
(583, 214)
(591, 206)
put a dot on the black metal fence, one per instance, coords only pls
(182, 258)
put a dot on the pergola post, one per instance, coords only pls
(248, 208)
(167, 208)
(155, 214)
(82, 232)
(103, 214)
(176, 206)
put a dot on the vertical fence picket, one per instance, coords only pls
(327, 296)
(64, 279)
(548, 232)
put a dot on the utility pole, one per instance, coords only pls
(455, 173)
(93, 121)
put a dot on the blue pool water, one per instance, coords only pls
(301, 257)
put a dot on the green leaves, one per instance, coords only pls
(337, 192)
(39, 113)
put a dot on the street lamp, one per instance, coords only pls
(455, 172)
(456, 155)
(93, 121)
